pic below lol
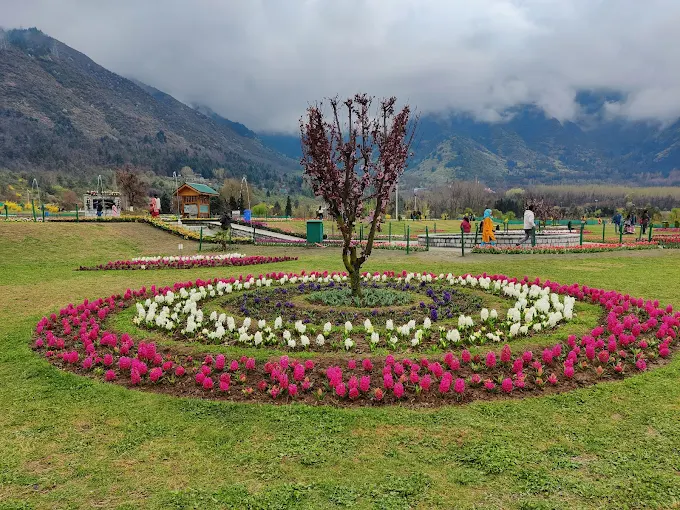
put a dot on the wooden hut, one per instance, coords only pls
(194, 200)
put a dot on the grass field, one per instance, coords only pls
(71, 442)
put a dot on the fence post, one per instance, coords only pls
(230, 235)
(361, 232)
(580, 237)
(533, 236)
(435, 227)
(6, 212)
(254, 235)
(33, 207)
(389, 236)
(604, 225)
(477, 232)
(620, 234)
(77, 217)
(427, 239)
(649, 238)
(405, 232)
(42, 207)
(462, 241)
(200, 240)
(408, 239)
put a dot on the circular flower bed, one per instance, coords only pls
(431, 361)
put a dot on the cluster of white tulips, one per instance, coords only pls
(535, 308)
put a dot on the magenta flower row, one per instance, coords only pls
(186, 263)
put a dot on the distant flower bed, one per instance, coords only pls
(336, 242)
(667, 230)
(668, 241)
(586, 248)
(190, 262)
(171, 228)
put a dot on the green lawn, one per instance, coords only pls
(71, 442)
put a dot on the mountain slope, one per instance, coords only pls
(532, 148)
(61, 111)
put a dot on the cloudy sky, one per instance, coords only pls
(262, 61)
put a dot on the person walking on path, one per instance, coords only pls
(529, 224)
(488, 236)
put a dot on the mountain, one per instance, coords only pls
(61, 111)
(530, 147)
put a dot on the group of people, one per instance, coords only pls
(488, 229)
(627, 225)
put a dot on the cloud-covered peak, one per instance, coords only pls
(262, 61)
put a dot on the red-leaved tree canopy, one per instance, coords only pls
(353, 157)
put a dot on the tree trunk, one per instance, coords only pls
(355, 282)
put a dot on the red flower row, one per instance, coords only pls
(186, 263)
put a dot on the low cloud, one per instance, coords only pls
(261, 62)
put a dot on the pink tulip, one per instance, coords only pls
(365, 383)
(135, 377)
(506, 354)
(220, 361)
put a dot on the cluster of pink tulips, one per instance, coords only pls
(585, 248)
(634, 334)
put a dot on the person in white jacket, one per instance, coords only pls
(529, 224)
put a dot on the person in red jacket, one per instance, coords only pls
(465, 225)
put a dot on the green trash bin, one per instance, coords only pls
(314, 231)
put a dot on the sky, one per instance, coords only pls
(262, 62)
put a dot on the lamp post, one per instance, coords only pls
(174, 175)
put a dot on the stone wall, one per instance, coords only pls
(502, 239)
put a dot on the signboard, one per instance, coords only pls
(191, 209)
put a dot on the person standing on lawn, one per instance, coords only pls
(465, 225)
(529, 224)
(644, 221)
(616, 220)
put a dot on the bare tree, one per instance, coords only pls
(351, 163)
(132, 187)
